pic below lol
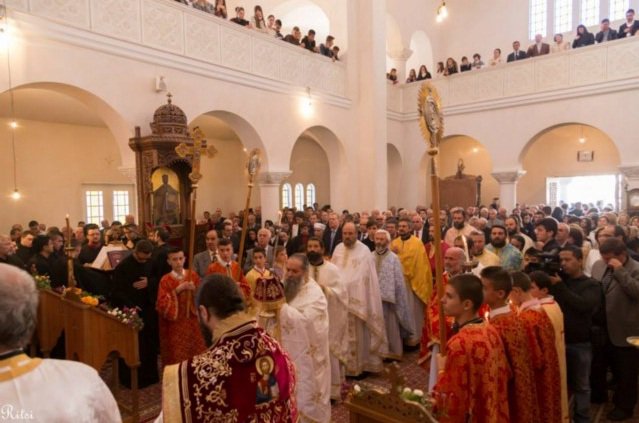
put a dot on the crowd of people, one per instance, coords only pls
(269, 26)
(582, 38)
(547, 295)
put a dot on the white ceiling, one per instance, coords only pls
(47, 106)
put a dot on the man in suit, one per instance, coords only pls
(606, 34)
(263, 238)
(419, 230)
(516, 54)
(630, 27)
(332, 234)
(619, 276)
(202, 260)
(539, 48)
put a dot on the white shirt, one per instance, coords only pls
(499, 311)
(533, 304)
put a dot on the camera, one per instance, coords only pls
(546, 262)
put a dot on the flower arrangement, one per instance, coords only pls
(84, 296)
(42, 281)
(129, 316)
(413, 395)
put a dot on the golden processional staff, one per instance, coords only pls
(196, 151)
(253, 167)
(432, 126)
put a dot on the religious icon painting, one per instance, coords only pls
(267, 386)
(166, 196)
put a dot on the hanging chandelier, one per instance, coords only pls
(442, 12)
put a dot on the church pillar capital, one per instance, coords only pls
(630, 171)
(508, 186)
(510, 177)
(273, 178)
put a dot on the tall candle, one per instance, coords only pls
(68, 231)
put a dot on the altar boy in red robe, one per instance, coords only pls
(225, 265)
(474, 381)
(180, 336)
(522, 395)
(541, 335)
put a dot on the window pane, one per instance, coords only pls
(310, 195)
(120, 205)
(538, 17)
(618, 9)
(563, 15)
(95, 207)
(286, 196)
(299, 196)
(589, 12)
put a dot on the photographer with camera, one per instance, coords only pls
(579, 298)
(619, 276)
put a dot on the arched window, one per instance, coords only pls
(310, 195)
(299, 196)
(287, 196)
(589, 12)
(563, 16)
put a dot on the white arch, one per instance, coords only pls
(422, 52)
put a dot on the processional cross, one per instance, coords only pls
(432, 125)
(196, 151)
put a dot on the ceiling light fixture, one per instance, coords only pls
(582, 139)
(4, 27)
(442, 12)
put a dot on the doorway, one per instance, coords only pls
(585, 189)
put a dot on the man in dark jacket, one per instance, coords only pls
(619, 276)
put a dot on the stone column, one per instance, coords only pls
(631, 181)
(269, 183)
(508, 187)
(400, 57)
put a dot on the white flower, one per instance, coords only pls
(418, 392)
(126, 320)
(406, 391)
(357, 389)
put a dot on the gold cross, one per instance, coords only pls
(198, 149)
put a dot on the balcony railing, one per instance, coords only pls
(171, 27)
(599, 68)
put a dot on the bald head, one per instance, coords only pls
(349, 234)
(453, 260)
(18, 307)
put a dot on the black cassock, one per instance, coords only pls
(124, 294)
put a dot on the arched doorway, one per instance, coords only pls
(394, 161)
(310, 170)
(559, 158)
(304, 14)
(318, 157)
(69, 150)
(224, 177)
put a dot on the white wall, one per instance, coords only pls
(310, 165)
(54, 160)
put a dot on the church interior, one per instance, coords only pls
(169, 116)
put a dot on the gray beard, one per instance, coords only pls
(292, 287)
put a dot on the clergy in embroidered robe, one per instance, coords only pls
(244, 376)
(399, 323)
(417, 274)
(180, 337)
(291, 329)
(367, 334)
(328, 276)
(306, 296)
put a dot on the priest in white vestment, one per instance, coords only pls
(32, 389)
(292, 330)
(398, 320)
(327, 275)
(366, 331)
(306, 296)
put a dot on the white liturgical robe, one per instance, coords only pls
(366, 331)
(54, 391)
(311, 303)
(292, 330)
(328, 277)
